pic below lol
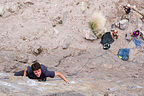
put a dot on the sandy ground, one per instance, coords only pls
(28, 24)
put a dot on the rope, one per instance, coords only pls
(80, 70)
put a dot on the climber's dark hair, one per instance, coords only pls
(35, 66)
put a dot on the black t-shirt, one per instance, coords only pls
(45, 73)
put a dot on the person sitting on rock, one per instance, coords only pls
(39, 72)
(115, 34)
(127, 9)
(136, 34)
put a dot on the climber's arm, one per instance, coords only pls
(25, 72)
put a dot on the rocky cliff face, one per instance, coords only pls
(114, 86)
(53, 32)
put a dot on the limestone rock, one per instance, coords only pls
(66, 44)
(1, 10)
(37, 50)
(123, 24)
(89, 35)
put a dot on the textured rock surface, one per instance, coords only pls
(15, 86)
(58, 27)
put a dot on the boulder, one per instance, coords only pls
(89, 35)
(123, 24)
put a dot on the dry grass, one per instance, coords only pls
(97, 24)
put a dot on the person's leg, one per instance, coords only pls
(20, 73)
(142, 36)
(117, 36)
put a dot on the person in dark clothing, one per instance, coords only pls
(127, 9)
(39, 72)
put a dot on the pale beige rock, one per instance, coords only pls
(89, 35)
(123, 24)
(1, 10)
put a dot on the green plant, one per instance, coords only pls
(97, 24)
(39, 50)
(54, 25)
(93, 27)
(60, 22)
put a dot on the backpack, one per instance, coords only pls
(124, 54)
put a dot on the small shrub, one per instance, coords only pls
(97, 24)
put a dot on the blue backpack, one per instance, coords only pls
(124, 54)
